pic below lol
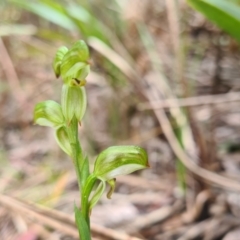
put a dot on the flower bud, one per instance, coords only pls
(74, 65)
(58, 60)
(74, 102)
(48, 113)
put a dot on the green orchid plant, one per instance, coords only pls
(72, 65)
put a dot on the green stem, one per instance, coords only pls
(78, 160)
(72, 130)
(85, 196)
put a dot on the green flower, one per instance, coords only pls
(48, 113)
(73, 64)
(74, 102)
(119, 160)
(58, 60)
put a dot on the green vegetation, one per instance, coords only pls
(226, 14)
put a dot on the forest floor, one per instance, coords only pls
(174, 90)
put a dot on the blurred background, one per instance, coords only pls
(164, 77)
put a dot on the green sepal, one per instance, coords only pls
(75, 65)
(83, 229)
(74, 102)
(58, 60)
(112, 183)
(119, 160)
(62, 139)
(97, 194)
(78, 50)
(48, 113)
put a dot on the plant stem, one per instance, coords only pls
(78, 160)
(72, 130)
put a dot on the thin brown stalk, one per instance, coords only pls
(191, 101)
(11, 74)
(57, 220)
(208, 176)
(204, 174)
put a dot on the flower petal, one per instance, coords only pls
(119, 160)
(48, 113)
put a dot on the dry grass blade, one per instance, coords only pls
(174, 27)
(117, 60)
(194, 213)
(28, 212)
(135, 181)
(192, 101)
(57, 220)
(173, 23)
(209, 229)
(161, 83)
(214, 178)
(156, 216)
(204, 174)
(10, 73)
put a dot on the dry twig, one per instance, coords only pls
(157, 216)
(210, 229)
(57, 220)
(10, 73)
(208, 176)
(135, 181)
(191, 101)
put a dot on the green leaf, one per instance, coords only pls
(119, 160)
(87, 22)
(48, 113)
(97, 194)
(53, 13)
(83, 229)
(74, 102)
(225, 14)
(58, 60)
(62, 139)
(71, 16)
